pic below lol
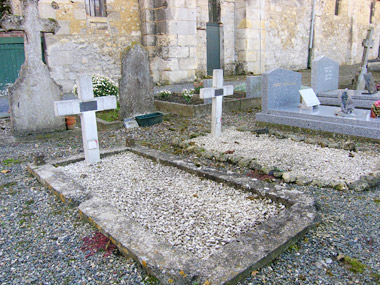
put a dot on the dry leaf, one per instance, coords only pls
(5, 171)
(254, 273)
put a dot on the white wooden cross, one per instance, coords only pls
(216, 92)
(86, 106)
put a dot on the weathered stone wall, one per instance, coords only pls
(86, 44)
(256, 35)
(250, 35)
(202, 19)
(287, 33)
(340, 36)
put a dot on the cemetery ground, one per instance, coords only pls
(42, 238)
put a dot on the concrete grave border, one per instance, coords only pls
(228, 265)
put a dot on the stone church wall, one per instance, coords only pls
(86, 44)
(256, 35)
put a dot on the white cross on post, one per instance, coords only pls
(86, 106)
(216, 92)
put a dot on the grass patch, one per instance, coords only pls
(10, 162)
(109, 115)
(354, 265)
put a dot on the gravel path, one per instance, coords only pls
(40, 238)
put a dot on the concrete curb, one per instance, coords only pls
(229, 265)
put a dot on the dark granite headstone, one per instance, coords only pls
(280, 89)
(136, 84)
(324, 74)
(370, 84)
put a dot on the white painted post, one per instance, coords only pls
(216, 92)
(86, 106)
(88, 120)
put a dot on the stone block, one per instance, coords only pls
(79, 14)
(188, 63)
(182, 27)
(64, 28)
(187, 40)
(175, 51)
(173, 77)
(46, 11)
(61, 58)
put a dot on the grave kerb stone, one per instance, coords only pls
(86, 106)
(217, 92)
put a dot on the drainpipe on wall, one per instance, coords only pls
(311, 39)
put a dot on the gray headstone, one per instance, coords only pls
(280, 89)
(370, 84)
(324, 74)
(207, 83)
(254, 86)
(136, 84)
(32, 97)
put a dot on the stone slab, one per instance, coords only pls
(360, 100)
(136, 84)
(254, 87)
(324, 74)
(324, 119)
(231, 264)
(280, 88)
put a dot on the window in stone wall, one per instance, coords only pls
(96, 8)
(337, 6)
(214, 11)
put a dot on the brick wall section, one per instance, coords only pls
(13, 34)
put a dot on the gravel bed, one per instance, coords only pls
(298, 158)
(40, 241)
(191, 213)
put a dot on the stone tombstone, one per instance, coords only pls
(280, 88)
(324, 74)
(31, 98)
(370, 84)
(207, 83)
(136, 85)
(254, 87)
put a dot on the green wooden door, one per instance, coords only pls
(11, 58)
(213, 47)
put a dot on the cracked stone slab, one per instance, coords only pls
(229, 265)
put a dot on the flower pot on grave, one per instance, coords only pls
(70, 122)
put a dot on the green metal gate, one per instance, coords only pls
(213, 47)
(11, 58)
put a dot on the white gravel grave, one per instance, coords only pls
(194, 214)
(299, 158)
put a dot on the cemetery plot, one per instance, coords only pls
(191, 213)
(298, 159)
(182, 228)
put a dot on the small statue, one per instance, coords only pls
(346, 103)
